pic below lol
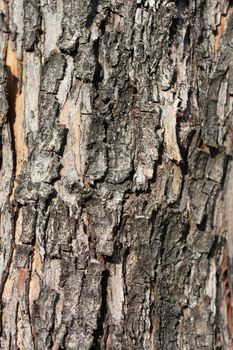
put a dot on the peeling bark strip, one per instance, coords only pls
(116, 131)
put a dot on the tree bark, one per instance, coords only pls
(116, 176)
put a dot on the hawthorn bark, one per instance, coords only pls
(116, 189)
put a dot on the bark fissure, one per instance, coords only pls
(116, 196)
(100, 330)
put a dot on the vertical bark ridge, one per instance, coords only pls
(118, 135)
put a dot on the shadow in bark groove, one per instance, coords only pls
(90, 18)
(13, 83)
(99, 331)
(98, 73)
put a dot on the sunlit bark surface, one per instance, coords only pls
(116, 182)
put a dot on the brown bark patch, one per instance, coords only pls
(35, 285)
(23, 275)
(221, 28)
(2, 5)
(20, 330)
(16, 107)
(72, 156)
(34, 290)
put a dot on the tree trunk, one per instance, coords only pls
(116, 177)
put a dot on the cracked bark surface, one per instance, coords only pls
(116, 173)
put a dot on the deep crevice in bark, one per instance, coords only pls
(94, 5)
(99, 331)
(13, 83)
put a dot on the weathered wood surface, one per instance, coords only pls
(116, 179)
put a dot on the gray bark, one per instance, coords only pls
(116, 175)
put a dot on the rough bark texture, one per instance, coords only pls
(116, 178)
